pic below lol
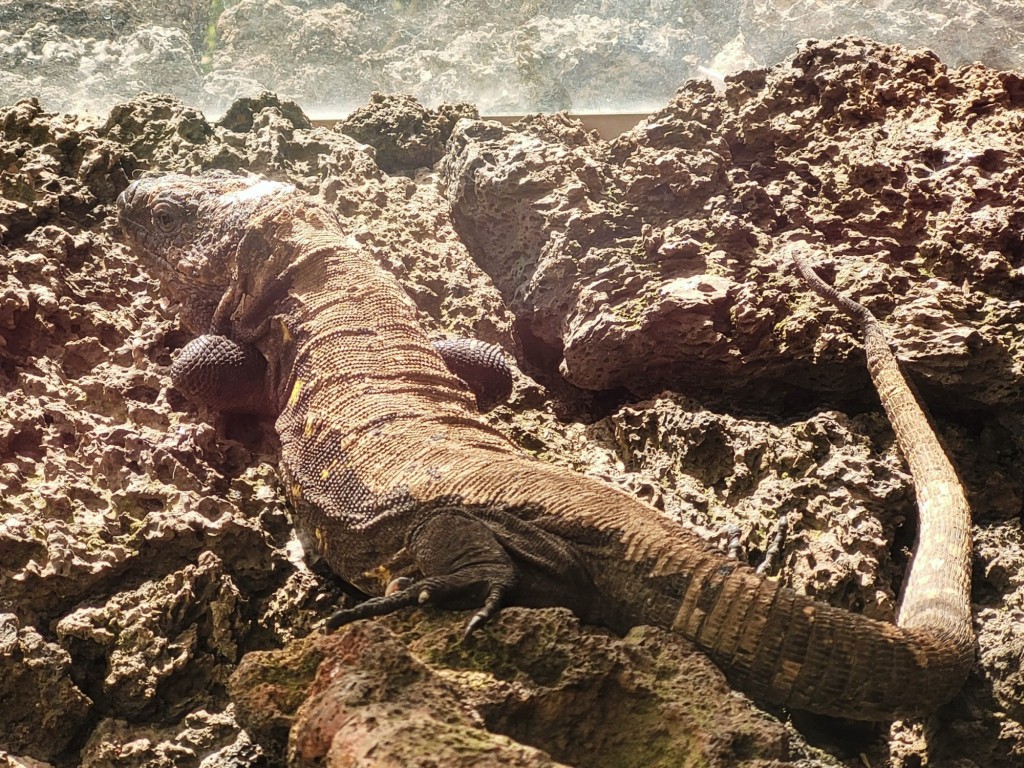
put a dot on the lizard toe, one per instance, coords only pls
(491, 606)
(463, 587)
(375, 606)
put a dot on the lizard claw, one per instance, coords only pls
(491, 606)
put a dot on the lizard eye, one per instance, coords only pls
(166, 216)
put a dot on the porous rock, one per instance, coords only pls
(650, 262)
(207, 739)
(405, 134)
(410, 692)
(838, 481)
(43, 708)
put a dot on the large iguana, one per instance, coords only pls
(392, 474)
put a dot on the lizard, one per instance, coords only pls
(398, 481)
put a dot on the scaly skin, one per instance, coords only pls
(392, 474)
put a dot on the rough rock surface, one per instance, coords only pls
(691, 289)
(405, 134)
(505, 56)
(145, 547)
(409, 692)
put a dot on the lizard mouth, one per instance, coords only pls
(133, 231)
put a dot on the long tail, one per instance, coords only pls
(787, 649)
(938, 586)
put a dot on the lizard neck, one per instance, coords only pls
(351, 324)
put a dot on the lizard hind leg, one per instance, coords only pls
(463, 564)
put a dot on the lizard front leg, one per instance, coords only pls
(481, 366)
(221, 373)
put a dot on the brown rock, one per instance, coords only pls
(407, 693)
(405, 134)
(43, 709)
(591, 242)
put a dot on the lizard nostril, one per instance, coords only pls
(125, 198)
(128, 195)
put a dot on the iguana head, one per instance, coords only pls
(192, 232)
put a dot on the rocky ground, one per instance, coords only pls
(506, 56)
(155, 609)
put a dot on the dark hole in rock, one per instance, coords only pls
(142, 394)
(1013, 247)
(27, 442)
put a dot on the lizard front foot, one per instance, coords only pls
(222, 374)
(425, 591)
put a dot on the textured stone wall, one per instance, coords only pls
(505, 56)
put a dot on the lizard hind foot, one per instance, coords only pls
(464, 565)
